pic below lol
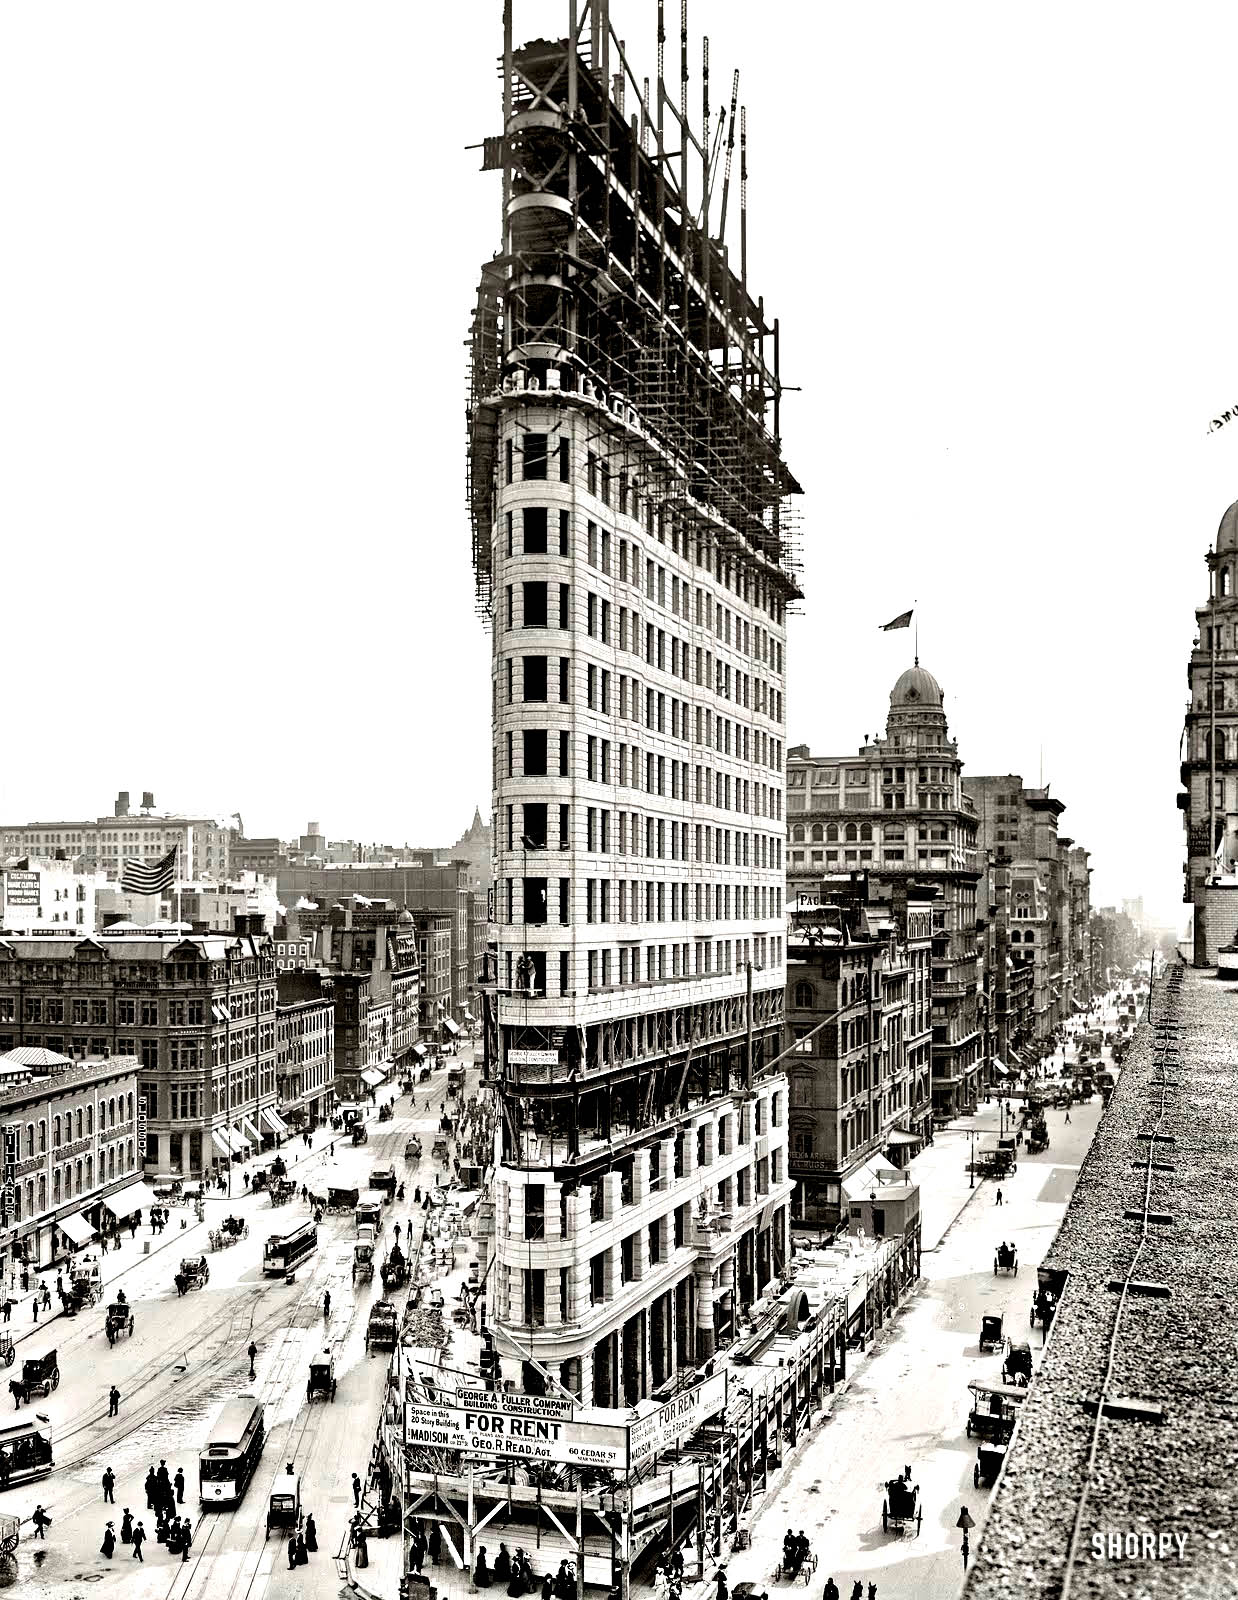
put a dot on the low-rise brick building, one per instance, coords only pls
(305, 1034)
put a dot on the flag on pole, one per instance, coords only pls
(140, 878)
(903, 620)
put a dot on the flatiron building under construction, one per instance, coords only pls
(634, 555)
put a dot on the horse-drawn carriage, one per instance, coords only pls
(341, 1199)
(85, 1288)
(901, 1506)
(386, 1111)
(229, 1232)
(1006, 1259)
(7, 1350)
(395, 1269)
(321, 1377)
(992, 1334)
(1037, 1137)
(284, 1505)
(385, 1181)
(119, 1320)
(194, 1274)
(282, 1191)
(441, 1149)
(993, 1411)
(360, 1134)
(1017, 1367)
(39, 1376)
(362, 1261)
(1044, 1305)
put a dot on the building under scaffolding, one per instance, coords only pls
(635, 555)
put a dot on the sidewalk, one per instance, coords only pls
(942, 1171)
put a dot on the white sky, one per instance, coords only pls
(241, 249)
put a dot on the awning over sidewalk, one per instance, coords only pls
(75, 1227)
(372, 1077)
(900, 1136)
(220, 1142)
(248, 1127)
(272, 1121)
(129, 1199)
(1000, 1067)
(419, 1050)
(451, 1027)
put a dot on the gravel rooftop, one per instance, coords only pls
(1175, 1477)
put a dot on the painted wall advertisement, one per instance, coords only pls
(21, 888)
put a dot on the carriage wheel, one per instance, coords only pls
(55, 1377)
(919, 1520)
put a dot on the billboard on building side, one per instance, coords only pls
(677, 1419)
(525, 1427)
(21, 888)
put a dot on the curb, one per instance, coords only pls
(945, 1232)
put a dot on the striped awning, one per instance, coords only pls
(221, 1144)
(272, 1121)
(76, 1228)
(250, 1131)
(372, 1077)
(451, 1027)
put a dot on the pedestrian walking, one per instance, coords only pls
(133, 1226)
(311, 1534)
(356, 1490)
(253, 1351)
(109, 1486)
(179, 1481)
(139, 1539)
(326, 1304)
(164, 1481)
(108, 1547)
(1067, 1113)
(47, 1298)
(41, 1522)
(831, 1590)
(999, 1197)
(292, 1552)
(8, 1308)
(126, 1527)
(302, 1552)
(34, 1306)
(152, 1484)
(113, 1401)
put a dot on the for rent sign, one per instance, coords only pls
(527, 1427)
(664, 1428)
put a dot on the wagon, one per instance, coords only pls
(195, 1272)
(119, 1320)
(363, 1261)
(991, 1335)
(281, 1191)
(440, 1150)
(340, 1199)
(1037, 1139)
(86, 1286)
(901, 1506)
(384, 1179)
(383, 1330)
(7, 1351)
(386, 1112)
(993, 1411)
(989, 1458)
(284, 1506)
(395, 1270)
(369, 1214)
(1017, 1367)
(39, 1376)
(359, 1133)
(1043, 1307)
(1006, 1259)
(321, 1377)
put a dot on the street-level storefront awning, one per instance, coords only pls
(272, 1121)
(129, 1199)
(900, 1136)
(1000, 1067)
(76, 1228)
(419, 1050)
(875, 1171)
(452, 1028)
(236, 1145)
(1076, 1005)
(467, 1014)
(371, 1077)
(220, 1142)
(247, 1126)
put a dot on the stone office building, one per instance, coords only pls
(195, 1014)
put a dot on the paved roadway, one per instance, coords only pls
(908, 1401)
(186, 1357)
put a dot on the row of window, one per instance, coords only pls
(528, 971)
(641, 901)
(632, 833)
(64, 1123)
(536, 453)
(71, 1181)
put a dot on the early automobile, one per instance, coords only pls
(363, 1261)
(993, 1411)
(1006, 1259)
(39, 1376)
(284, 1506)
(382, 1331)
(369, 1214)
(412, 1150)
(989, 1458)
(360, 1134)
(86, 1285)
(119, 1320)
(395, 1269)
(321, 1377)
(991, 1335)
(1017, 1367)
(901, 1506)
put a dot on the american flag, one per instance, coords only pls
(140, 878)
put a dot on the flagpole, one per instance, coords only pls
(178, 884)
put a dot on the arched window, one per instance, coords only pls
(30, 1198)
(804, 997)
(131, 1153)
(852, 835)
(77, 1177)
(831, 833)
(797, 834)
(56, 1133)
(42, 1136)
(42, 1192)
(79, 1122)
(1225, 581)
(111, 1113)
(866, 832)
(90, 1172)
(111, 1161)
(56, 1187)
(818, 833)
(30, 1138)
(129, 1103)
(1220, 744)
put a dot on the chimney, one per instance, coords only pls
(122, 803)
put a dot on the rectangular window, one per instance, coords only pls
(564, 525)
(534, 740)
(535, 530)
(535, 677)
(565, 460)
(565, 605)
(591, 544)
(534, 602)
(534, 455)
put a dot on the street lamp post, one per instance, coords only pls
(972, 1136)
